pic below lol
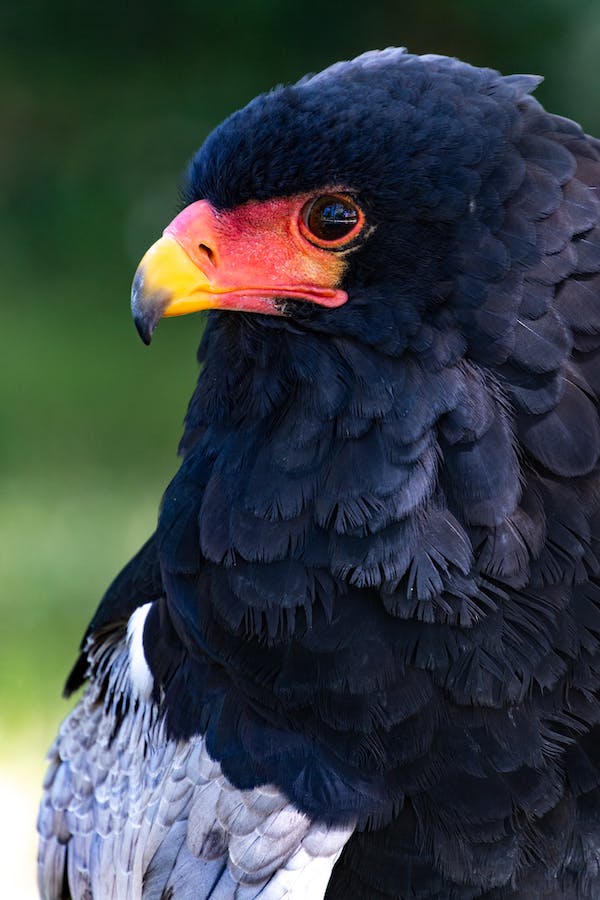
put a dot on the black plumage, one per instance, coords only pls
(375, 578)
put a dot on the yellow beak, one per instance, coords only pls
(168, 283)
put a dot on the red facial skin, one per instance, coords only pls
(258, 253)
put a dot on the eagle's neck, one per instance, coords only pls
(301, 425)
(310, 454)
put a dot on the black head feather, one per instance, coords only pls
(417, 139)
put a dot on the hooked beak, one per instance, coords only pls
(168, 283)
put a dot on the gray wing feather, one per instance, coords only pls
(129, 814)
(55, 860)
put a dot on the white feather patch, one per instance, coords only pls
(140, 675)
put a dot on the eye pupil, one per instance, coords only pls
(330, 218)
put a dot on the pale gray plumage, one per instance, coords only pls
(129, 814)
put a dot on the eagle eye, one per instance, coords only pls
(331, 220)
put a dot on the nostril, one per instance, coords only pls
(207, 251)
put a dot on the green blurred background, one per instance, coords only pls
(102, 105)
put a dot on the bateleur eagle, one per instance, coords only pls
(360, 656)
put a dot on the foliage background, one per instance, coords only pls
(101, 105)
